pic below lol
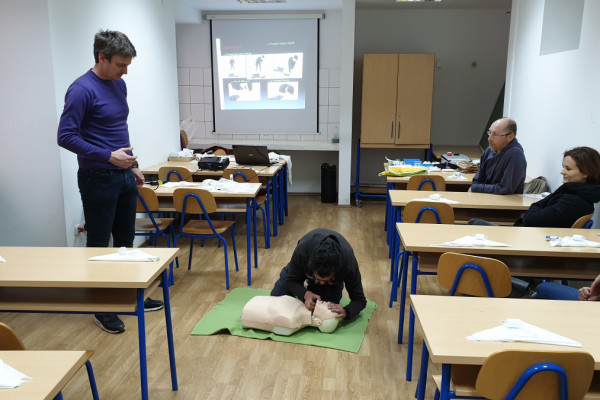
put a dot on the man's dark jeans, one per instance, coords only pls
(109, 198)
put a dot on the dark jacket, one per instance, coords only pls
(563, 207)
(502, 173)
(349, 275)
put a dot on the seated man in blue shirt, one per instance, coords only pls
(502, 166)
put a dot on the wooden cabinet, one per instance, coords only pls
(397, 98)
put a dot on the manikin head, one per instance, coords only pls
(323, 318)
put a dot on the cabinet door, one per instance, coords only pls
(380, 75)
(415, 98)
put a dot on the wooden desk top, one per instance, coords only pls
(467, 199)
(524, 241)
(446, 174)
(247, 190)
(192, 166)
(448, 320)
(68, 267)
(473, 152)
(50, 370)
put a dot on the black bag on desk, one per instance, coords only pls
(213, 163)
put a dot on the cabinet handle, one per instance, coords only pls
(392, 131)
(398, 129)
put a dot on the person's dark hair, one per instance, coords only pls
(588, 162)
(326, 258)
(511, 126)
(112, 42)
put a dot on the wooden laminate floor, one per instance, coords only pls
(228, 367)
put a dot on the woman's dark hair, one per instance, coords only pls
(588, 162)
(326, 259)
(110, 43)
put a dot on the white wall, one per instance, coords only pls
(31, 198)
(554, 97)
(52, 49)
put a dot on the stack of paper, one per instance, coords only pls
(515, 330)
(10, 377)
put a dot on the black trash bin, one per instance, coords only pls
(328, 183)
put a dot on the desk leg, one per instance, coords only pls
(422, 382)
(254, 207)
(92, 379)
(284, 181)
(272, 183)
(411, 320)
(403, 297)
(168, 323)
(445, 389)
(142, 342)
(248, 244)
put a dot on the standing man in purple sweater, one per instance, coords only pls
(503, 165)
(93, 125)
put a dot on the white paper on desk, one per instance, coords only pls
(180, 184)
(573, 241)
(438, 200)
(476, 240)
(225, 185)
(10, 377)
(2, 259)
(515, 330)
(126, 255)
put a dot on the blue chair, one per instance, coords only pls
(584, 222)
(175, 174)
(201, 202)
(152, 226)
(529, 375)
(262, 199)
(468, 275)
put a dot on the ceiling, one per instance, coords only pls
(186, 6)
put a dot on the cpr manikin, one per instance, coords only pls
(285, 315)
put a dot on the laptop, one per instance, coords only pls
(251, 155)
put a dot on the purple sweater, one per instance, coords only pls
(94, 120)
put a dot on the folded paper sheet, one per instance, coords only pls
(2, 259)
(10, 377)
(515, 330)
(573, 241)
(180, 184)
(438, 200)
(126, 255)
(477, 240)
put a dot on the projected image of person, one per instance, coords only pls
(286, 92)
(231, 66)
(242, 91)
(292, 63)
(258, 64)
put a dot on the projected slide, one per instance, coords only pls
(265, 75)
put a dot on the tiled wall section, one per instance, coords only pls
(195, 99)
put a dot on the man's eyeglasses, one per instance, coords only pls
(495, 135)
(313, 279)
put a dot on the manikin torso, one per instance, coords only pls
(285, 315)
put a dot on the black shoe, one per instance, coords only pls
(152, 305)
(109, 323)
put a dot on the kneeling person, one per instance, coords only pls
(325, 261)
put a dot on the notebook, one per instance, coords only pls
(251, 155)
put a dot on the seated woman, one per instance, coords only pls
(285, 315)
(573, 199)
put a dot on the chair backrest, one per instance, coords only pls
(427, 212)
(457, 272)
(183, 139)
(584, 222)
(249, 173)
(219, 152)
(194, 201)
(426, 182)
(179, 174)
(501, 371)
(9, 339)
(149, 198)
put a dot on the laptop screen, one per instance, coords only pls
(251, 155)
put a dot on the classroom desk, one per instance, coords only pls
(448, 320)
(529, 255)
(492, 207)
(452, 184)
(62, 280)
(165, 198)
(274, 176)
(50, 371)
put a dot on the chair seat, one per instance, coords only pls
(594, 392)
(145, 224)
(201, 227)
